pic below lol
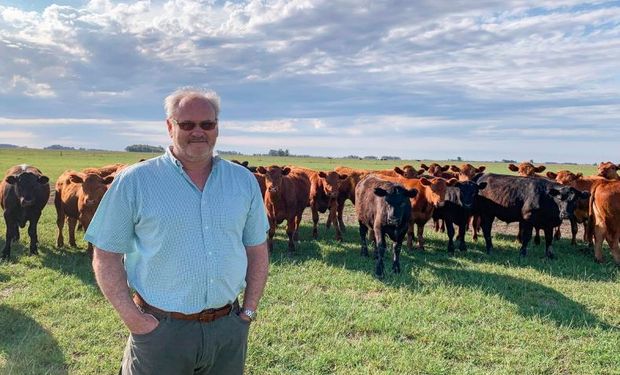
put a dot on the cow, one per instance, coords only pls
(457, 209)
(385, 208)
(533, 202)
(466, 172)
(24, 192)
(431, 194)
(581, 214)
(346, 190)
(604, 208)
(436, 170)
(286, 198)
(106, 170)
(324, 188)
(76, 199)
(527, 169)
(608, 170)
(406, 171)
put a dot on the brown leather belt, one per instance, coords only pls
(205, 316)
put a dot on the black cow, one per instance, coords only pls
(24, 192)
(457, 209)
(531, 201)
(385, 208)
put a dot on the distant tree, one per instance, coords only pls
(279, 152)
(58, 147)
(6, 145)
(144, 148)
(226, 152)
(458, 158)
(370, 157)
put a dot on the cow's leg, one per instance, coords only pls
(450, 230)
(32, 232)
(290, 232)
(599, 236)
(549, 236)
(486, 223)
(442, 229)
(436, 224)
(573, 231)
(71, 222)
(315, 222)
(526, 236)
(340, 219)
(613, 246)
(587, 236)
(461, 235)
(11, 229)
(421, 237)
(60, 220)
(475, 227)
(373, 241)
(272, 232)
(380, 239)
(333, 212)
(396, 255)
(410, 237)
(363, 240)
(536, 238)
(296, 228)
(558, 233)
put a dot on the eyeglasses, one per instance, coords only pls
(191, 125)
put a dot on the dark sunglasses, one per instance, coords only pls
(191, 125)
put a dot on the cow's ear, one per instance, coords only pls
(552, 175)
(481, 169)
(452, 182)
(44, 180)
(424, 166)
(75, 178)
(343, 176)
(108, 180)
(540, 168)
(584, 194)
(245, 163)
(399, 171)
(380, 192)
(322, 174)
(261, 170)
(285, 171)
(579, 175)
(11, 179)
(425, 181)
(454, 168)
(482, 185)
(411, 193)
(513, 167)
(445, 168)
(554, 192)
(420, 171)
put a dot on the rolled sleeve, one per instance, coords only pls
(256, 224)
(112, 227)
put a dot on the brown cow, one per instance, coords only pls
(106, 170)
(436, 170)
(407, 171)
(77, 198)
(605, 218)
(581, 214)
(431, 194)
(286, 198)
(608, 170)
(24, 192)
(346, 191)
(467, 171)
(324, 188)
(527, 169)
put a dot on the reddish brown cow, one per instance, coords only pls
(436, 170)
(608, 170)
(467, 171)
(431, 194)
(407, 171)
(286, 198)
(324, 188)
(581, 214)
(346, 190)
(77, 198)
(605, 218)
(106, 170)
(527, 169)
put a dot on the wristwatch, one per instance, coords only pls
(250, 314)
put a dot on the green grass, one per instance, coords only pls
(324, 313)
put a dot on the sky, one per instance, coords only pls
(418, 79)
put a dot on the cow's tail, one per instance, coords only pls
(591, 213)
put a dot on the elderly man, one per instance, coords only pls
(187, 232)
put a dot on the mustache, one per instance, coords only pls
(198, 139)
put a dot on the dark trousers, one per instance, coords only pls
(181, 347)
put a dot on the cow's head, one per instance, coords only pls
(566, 198)
(437, 187)
(435, 169)
(93, 187)
(564, 177)
(408, 171)
(526, 169)
(331, 182)
(26, 186)
(273, 177)
(468, 190)
(398, 203)
(608, 170)
(466, 172)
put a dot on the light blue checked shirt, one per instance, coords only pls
(184, 248)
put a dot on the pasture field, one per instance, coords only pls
(323, 311)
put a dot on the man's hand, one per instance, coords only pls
(245, 317)
(143, 324)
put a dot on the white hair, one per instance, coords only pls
(171, 103)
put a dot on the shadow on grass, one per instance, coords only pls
(22, 337)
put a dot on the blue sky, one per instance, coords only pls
(483, 80)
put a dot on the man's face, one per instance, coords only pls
(196, 144)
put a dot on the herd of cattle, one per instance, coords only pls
(387, 203)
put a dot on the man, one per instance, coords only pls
(186, 231)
